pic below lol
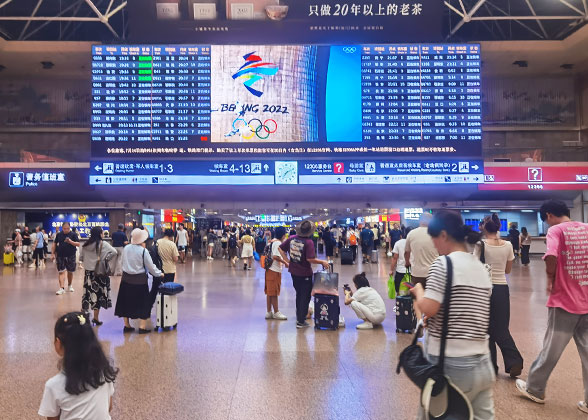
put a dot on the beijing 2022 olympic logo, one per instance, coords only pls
(253, 71)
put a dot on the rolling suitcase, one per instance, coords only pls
(321, 248)
(167, 305)
(326, 312)
(374, 256)
(346, 256)
(405, 316)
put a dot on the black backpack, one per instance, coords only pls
(267, 253)
(232, 241)
(154, 252)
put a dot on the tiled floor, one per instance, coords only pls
(226, 361)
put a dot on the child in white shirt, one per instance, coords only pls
(84, 387)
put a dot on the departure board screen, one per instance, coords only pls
(283, 102)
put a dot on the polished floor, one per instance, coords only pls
(225, 361)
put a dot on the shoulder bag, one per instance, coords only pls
(487, 267)
(431, 378)
(102, 268)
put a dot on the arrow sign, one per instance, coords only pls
(475, 167)
(98, 168)
(266, 167)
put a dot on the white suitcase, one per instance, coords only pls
(374, 256)
(167, 311)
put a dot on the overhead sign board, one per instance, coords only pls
(535, 178)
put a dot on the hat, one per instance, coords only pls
(138, 236)
(305, 229)
(17, 230)
(450, 402)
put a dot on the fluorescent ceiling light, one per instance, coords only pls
(528, 211)
(465, 211)
(494, 211)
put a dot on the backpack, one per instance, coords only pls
(267, 253)
(232, 241)
(154, 253)
(352, 239)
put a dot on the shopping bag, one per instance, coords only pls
(391, 288)
(256, 255)
(404, 290)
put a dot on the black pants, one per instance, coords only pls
(354, 250)
(499, 331)
(397, 280)
(154, 289)
(525, 253)
(303, 287)
(38, 256)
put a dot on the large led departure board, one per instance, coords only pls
(400, 101)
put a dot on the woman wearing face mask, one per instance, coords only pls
(499, 255)
(467, 359)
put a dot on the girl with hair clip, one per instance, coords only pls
(84, 386)
(366, 302)
(499, 255)
(467, 362)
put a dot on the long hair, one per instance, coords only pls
(84, 362)
(452, 223)
(95, 237)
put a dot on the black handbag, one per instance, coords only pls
(418, 369)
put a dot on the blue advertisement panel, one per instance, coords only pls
(82, 223)
(401, 101)
(285, 21)
(286, 172)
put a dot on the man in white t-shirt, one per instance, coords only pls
(273, 276)
(420, 252)
(182, 242)
(398, 266)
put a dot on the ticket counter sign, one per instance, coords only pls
(535, 178)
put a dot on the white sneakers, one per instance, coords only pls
(583, 407)
(522, 387)
(210, 258)
(60, 291)
(278, 315)
(365, 325)
(71, 289)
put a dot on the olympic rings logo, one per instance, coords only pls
(349, 50)
(255, 127)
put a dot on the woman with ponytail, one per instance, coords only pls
(366, 302)
(467, 360)
(499, 255)
(84, 386)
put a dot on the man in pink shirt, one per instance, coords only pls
(566, 262)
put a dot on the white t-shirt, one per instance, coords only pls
(182, 237)
(90, 405)
(469, 313)
(277, 265)
(399, 248)
(421, 247)
(33, 238)
(496, 256)
(370, 298)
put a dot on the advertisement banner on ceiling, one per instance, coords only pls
(288, 21)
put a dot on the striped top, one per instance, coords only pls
(469, 315)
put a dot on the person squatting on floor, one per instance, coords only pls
(566, 262)
(366, 302)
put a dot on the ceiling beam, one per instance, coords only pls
(29, 22)
(525, 18)
(571, 6)
(5, 3)
(50, 18)
(467, 17)
(538, 21)
(459, 13)
(101, 17)
(34, 31)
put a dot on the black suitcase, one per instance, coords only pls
(405, 316)
(321, 248)
(326, 312)
(346, 256)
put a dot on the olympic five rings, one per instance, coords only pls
(255, 131)
(349, 50)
